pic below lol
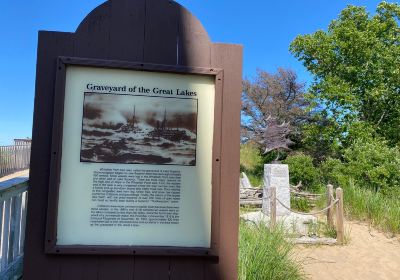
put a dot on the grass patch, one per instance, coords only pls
(256, 181)
(265, 254)
(321, 229)
(301, 204)
(381, 210)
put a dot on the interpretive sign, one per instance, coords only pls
(135, 149)
(136, 159)
(134, 163)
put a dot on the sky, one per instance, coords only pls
(265, 28)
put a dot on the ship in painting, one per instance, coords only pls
(162, 131)
(132, 124)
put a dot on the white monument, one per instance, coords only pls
(245, 182)
(276, 175)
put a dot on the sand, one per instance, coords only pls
(369, 255)
(23, 173)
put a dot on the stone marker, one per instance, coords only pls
(276, 175)
(245, 182)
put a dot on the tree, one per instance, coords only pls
(278, 96)
(356, 65)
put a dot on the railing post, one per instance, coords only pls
(329, 212)
(340, 216)
(12, 226)
(272, 207)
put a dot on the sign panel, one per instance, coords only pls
(136, 164)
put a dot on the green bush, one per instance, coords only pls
(265, 254)
(332, 171)
(373, 165)
(301, 168)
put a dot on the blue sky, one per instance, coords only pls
(264, 27)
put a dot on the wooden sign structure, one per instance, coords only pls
(136, 58)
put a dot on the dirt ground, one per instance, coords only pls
(369, 255)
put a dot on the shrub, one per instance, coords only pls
(301, 168)
(332, 172)
(373, 164)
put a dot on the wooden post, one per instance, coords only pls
(272, 207)
(339, 216)
(329, 213)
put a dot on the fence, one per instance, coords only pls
(331, 203)
(15, 157)
(13, 202)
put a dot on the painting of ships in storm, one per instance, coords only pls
(138, 129)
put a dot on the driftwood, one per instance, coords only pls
(313, 241)
(251, 193)
(251, 202)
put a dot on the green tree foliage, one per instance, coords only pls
(302, 169)
(319, 138)
(355, 63)
(374, 165)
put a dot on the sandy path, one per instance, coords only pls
(23, 173)
(370, 255)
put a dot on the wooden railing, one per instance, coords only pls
(14, 158)
(13, 202)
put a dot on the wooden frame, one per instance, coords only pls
(51, 246)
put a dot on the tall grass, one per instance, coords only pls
(264, 254)
(381, 210)
(301, 204)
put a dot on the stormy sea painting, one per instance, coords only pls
(138, 129)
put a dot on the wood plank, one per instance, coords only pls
(23, 221)
(2, 222)
(93, 34)
(91, 269)
(51, 45)
(161, 32)
(5, 238)
(116, 267)
(71, 267)
(194, 46)
(187, 268)
(79, 267)
(229, 58)
(151, 268)
(127, 25)
(16, 225)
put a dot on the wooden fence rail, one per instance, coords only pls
(332, 203)
(13, 202)
(14, 158)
